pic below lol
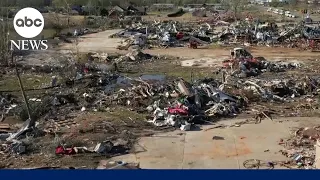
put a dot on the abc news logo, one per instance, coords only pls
(28, 23)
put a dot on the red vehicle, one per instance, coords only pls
(193, 44)
(179, 35)
(314, 45)
(240, 54)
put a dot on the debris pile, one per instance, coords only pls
(7, 103)
(163, 34)
(101, 148)
(246, 32)
(179, 103)
(135, 55)
(195, 103)
(301, 148)
(174, 102)
(281, 90)
(243, 64)
(99, 86)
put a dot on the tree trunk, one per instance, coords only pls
(4, 41)
(235, 14)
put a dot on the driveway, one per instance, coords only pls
(229, 148)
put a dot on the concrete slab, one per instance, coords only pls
(162, 152)
(97, 42)
(228, 150)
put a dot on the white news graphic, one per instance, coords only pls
(28, 22)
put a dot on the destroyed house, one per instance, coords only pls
(129, 11)
(77, 8)
(82, 10)
(199, 5)
(207, 6)
(114, 13)
(194, 5)
(119, 9)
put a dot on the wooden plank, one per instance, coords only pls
(4, 126)
(105, 164)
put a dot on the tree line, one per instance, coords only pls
(103, 3)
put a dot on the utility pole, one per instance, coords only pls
(32, 122)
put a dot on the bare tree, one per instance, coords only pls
(30, 3)
(57, 22)
(5, 23)
(236, 6)
(66, 5)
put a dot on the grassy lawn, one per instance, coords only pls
(52, 19)
(171, 68)
(11, 83)
(122, 113)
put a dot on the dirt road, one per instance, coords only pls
(100, 42)
(267, 52)
(97, 42)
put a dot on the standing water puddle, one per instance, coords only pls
(121, 82)
(153, 77)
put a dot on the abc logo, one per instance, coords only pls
(28, 22)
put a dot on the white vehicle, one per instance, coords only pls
(269, 10)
